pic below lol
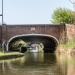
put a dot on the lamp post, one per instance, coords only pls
(2, 12)
(2, 20)
(2, 25)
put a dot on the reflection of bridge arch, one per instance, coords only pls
(46, 39)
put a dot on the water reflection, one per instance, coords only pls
(71, 65)
(38, 64)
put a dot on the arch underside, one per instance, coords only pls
(49, 43)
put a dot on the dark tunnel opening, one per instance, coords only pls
(49, 43)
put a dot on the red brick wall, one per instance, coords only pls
(70, 31)
(57, 31)
(53, 30)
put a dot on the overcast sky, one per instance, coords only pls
(31, 11)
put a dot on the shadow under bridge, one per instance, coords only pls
(33, 43)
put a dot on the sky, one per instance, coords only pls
(31, 11)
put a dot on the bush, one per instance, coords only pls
(62, 15)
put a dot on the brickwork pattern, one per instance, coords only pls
(8, 31)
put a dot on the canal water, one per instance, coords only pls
(39, 64)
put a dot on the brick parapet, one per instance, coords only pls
(58, 31)
(70, 31)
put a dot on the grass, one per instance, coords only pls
(69, 45)
(10, 55)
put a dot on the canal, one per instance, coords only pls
(38, 63)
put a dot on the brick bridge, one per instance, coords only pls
(50, 34)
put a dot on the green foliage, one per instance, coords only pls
(62, 15)
(16, 45)
(70, 44)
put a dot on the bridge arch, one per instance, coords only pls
(48, 39)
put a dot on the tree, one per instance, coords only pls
(62, 15)
(16, 45)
